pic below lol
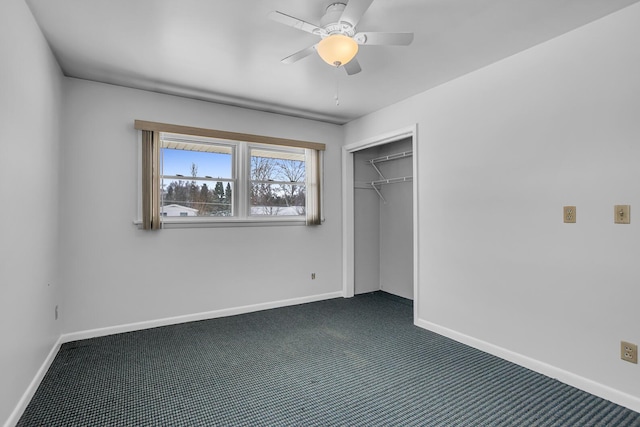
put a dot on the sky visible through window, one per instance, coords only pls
(277, 182)
(178, 162)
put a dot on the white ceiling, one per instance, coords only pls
(229, 51)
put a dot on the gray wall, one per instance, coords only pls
(30, 100)
(383, 235)
(501, 150)
(366, 209)
(396, 224)
(116, 274)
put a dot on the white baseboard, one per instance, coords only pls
(93, 333)
(577, 381)
(100, 332)
(33, 386)
(605, 392)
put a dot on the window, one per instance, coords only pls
(206, 176)
(277, 182)
(198, 177)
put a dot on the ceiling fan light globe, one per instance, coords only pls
(337, 49)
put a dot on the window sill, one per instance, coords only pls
(218, 222)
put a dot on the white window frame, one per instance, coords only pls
(275, 149)
(190, 139)
(241, 202)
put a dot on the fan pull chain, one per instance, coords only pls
(337, 88)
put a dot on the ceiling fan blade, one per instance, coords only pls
(354, 11)
(395, 39)
(296, 23)
(299, 55)
(352, 67)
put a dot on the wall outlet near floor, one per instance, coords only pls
(56, 312)
(628, 352)
(313, 276)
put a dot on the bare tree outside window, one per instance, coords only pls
(277, 185)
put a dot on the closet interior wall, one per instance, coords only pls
(383, 231)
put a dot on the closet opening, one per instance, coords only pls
(380, 212)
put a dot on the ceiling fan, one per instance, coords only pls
(339, 39)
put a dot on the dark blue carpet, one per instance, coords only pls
(342, 362)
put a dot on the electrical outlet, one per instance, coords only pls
(622, 214)
(569, 214)
(56, 313)
(628, 352)
(313, 276)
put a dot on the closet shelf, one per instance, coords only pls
(394, 156)
(383, 180)
(392, 180)
(367, 185)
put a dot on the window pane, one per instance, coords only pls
(188, 163)
(277, 199)
(196, 197)
(268, 165)
(197, 178)
(277, 183)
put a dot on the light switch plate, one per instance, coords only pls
(569, 214)
(622, 214)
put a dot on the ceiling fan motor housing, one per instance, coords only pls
(330, 22)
